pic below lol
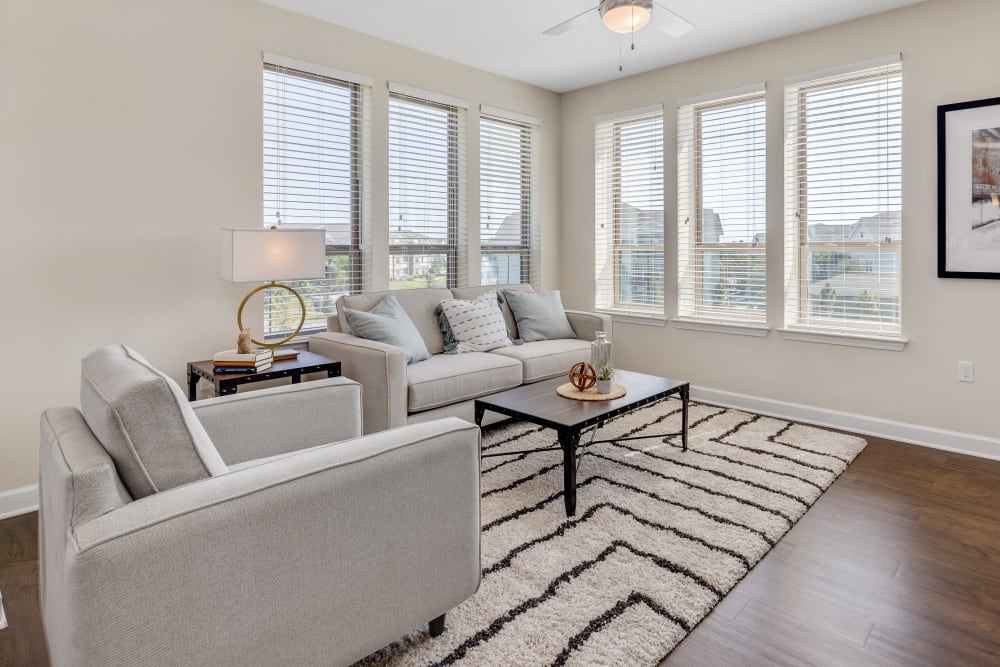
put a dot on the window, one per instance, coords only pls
(426, 192)
(628, 212)
(315, 171)
(843, 219)
(508, 201)
(721, 207)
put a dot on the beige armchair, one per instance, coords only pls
(229, 531)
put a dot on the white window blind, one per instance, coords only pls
(508, 201)
(843, 221)
(315, 174)
(628, 212)
(721, 208)
(427, 240)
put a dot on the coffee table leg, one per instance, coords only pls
(480, 411)
(685, 395)
(568, 441)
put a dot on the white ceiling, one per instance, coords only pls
(505, 36)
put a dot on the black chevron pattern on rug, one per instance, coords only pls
(659, 538)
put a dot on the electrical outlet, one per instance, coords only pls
(966, 371)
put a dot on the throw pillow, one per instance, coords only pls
(539, 315)
(388, 323)
(473, 326)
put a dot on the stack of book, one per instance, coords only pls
(231, 361)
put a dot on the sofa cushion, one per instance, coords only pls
(540, 316)
(475, 325)
(388, 323)
(508, 315)
(418, 303)
(546, 359)
(449, 378)
(143, 420)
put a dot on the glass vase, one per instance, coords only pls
(600, 351)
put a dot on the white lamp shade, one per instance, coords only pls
(252, 254)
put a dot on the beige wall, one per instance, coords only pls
(130, 131)
(949, 51)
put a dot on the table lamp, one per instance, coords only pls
(259, 254)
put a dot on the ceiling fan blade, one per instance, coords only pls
(568, 24)
(671, 22)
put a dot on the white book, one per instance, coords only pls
(260, 354)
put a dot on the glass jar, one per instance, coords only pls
(600, 351)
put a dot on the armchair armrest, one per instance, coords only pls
(585, 324)
(282, 419)
(319, 557)
(379, 367)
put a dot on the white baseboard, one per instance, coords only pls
(925, 436)
(18, 501)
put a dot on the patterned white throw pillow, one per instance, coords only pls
(477, 325)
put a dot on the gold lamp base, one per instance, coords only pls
(302, 321)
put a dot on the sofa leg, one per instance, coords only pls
(437, 626)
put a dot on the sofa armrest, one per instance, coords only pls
(319, 557)
(379, 367)
(585, 324)
(284, 419)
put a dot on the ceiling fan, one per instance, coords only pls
(628, 16)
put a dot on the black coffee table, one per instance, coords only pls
(539, 403)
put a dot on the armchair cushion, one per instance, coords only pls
(145, 423)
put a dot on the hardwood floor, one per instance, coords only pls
(897, 564)
(23, 641)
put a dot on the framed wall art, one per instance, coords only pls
(969, 189)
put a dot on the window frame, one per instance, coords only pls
(357, 88)
(527, 152)
(452, 248)
(801, 319)
(612, 186)
(693, 208)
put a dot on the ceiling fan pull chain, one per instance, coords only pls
(632, 32)
(619, 52)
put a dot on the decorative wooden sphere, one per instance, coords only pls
(582, 376)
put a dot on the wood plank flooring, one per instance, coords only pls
(897, 564)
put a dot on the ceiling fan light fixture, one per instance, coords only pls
(626, 15)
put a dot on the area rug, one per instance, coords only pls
(660, 536)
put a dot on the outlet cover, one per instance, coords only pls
(966, 371)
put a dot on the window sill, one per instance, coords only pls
(890, 343)
(632, 318)
(739, 329)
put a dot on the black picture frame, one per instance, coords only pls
(968, 151)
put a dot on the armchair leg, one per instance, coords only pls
(437, 626)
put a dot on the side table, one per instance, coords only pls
(226, 383)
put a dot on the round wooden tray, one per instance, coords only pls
(569, 391)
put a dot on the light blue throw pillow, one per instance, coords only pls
(539, 315)
(388, 323)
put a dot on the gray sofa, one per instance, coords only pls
(228, 532)
(446, 384)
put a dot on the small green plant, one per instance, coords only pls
(605, 372)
